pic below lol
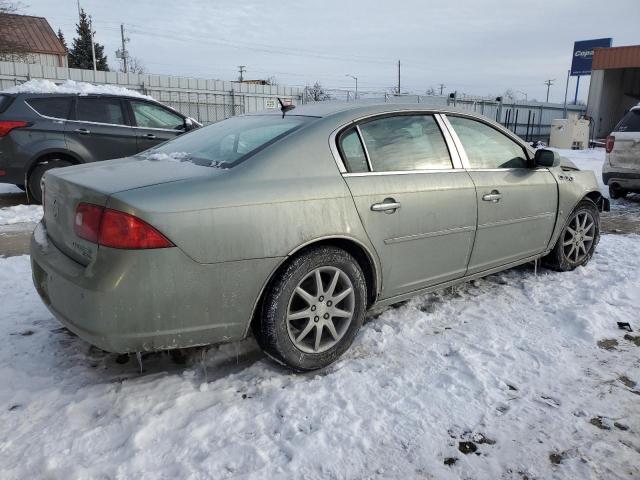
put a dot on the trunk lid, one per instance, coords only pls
(94, 183)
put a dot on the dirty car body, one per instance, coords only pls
(408, 193)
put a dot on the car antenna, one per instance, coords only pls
(285, 108)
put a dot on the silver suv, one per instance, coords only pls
(621, 170)
(39, 132)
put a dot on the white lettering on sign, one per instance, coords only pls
(584, 53)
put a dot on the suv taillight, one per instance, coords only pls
(7, 125)
(115, 229)
(609, 145)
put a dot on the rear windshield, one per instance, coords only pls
(227, 143)
(56, 107)
(5, 101)
(630, 122)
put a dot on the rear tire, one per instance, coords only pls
(33, 183)
(616, 192)
(578, 239)
(305, 327)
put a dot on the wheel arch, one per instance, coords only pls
(600, 200)
(45, 155)
(362, 254)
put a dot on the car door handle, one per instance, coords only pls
(494, 196)
(389, 205)
(82, 131)
(150, 136)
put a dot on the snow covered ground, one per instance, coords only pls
(529, 375)
(510, 377)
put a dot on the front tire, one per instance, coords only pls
(34, 190)
(313, 309)
(578, 239)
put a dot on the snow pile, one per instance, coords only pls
(167, 157)
(71, 86)
(501, 379)
(20, 214)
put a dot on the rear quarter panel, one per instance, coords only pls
(286, 196)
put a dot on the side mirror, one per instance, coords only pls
(546, 158)
(189, 124)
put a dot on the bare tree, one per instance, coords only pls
(135, 65)
(509, 94)
(431, 91)
(10, 50)
(272, 80)
(317, 93)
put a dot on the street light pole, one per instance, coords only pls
(356, 79)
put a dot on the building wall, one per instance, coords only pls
(611, 94)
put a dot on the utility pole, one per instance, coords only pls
(123, 54)
(548, 83)
(398, 77)
(93, 44)
(566, 92)
(242, 69)
(442, 85)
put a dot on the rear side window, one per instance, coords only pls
(405, 142)
(353, 152)
(101, 110)
(630, 122)
(56, 107)
(5, 101)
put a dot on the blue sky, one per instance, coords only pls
(477, 47)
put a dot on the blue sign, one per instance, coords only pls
(583, 54)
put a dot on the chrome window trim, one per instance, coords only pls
(335, 152)
(26, 102)
(454, 155)
(464, 160)
(364, 147)
(404, 172)
(508, 169)
(44, 116)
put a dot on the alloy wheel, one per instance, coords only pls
(578, 236)
(320, 309)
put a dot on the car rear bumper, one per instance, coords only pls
(144, 300)
(626, 178)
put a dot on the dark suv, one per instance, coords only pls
(43, 131)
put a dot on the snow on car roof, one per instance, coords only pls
(72, 87)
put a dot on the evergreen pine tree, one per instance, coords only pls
(80, 53)
(62, 40)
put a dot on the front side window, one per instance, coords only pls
(227, 143)
(353, 152)
(56, 107)
(100, 110)
(486, 147)
(149, 115)
(405, 142)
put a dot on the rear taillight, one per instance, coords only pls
(115, 229)
(609, 145)
(87, 221)
(7, 125)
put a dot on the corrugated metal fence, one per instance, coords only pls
(205, 100)
(529, 120)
